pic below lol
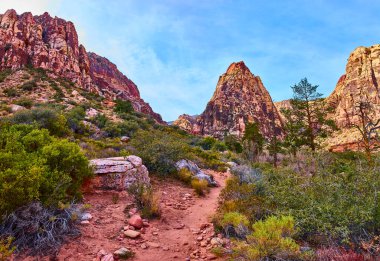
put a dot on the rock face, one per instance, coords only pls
(239, 98)
(52, 43)
(119, 173)
(362, 78)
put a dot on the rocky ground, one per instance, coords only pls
(183, 232)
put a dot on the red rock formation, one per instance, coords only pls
(361, 79)
(52, 43)
(239, 98)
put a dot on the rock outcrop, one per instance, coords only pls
(119, 173)
(239, 98)
(52, 44)
(195, 171)
(362, 79)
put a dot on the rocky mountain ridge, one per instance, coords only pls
(52, 44)
(360, 81)
(239, 98)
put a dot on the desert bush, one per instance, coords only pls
(271, 238)
(29, 85)
(233, 144)
(37, 230)
(11, 92)
(6, 249)
(36, 166)
(146, 200)
(200, 186)
(123, 106)
(100, 120)
(75, 118)
(207, 143)
(43, 118)
(185, 175)
(219, 146)
(27, 103)
(235, 224)
(208, 159)
(160, 150)
(4, 74)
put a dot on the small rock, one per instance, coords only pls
(86, 216)
(165, 248)
(136, 221)
(123, 253)
(124, 139)
(101, 253)
(108, 257)
(144, 246)
(131, 233)
(132, 211)
(200, 238)
(85, 222)
(178, 226)
(152, 244)
(125, 227)
(216, 241)
(146, 224)
(155, 233)
(203, 244)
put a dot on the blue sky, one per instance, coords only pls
(175, 50)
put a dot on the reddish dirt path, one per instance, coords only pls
(183, 231)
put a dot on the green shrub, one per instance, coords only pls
(42, 118)
(123, 106)
(200, 186)
(29, 85)
(160, 150)
(235, 224)
(207, 143)
(75, 118)
(4, 74)
(11, 92)
(185, 175)
(37, 166)
(6, 250)
(271, 239)
(27, 103)
(233, 144)
(100, 120)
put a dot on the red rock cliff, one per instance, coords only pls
(52, 43)
(362, 78)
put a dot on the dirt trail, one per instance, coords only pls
(183, 231)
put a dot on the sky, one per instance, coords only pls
(175, 50)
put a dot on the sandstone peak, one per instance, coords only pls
(239, 98)
(236, 67)
(53, 44)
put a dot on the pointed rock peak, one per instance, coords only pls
(235, 67)
(10, 13)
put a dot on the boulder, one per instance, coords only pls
(119, 173)
(195, 171)
(123, 253)
(136, 221)
(131, 233)
(16, 108)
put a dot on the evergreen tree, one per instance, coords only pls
(307, 115)
(253, 141)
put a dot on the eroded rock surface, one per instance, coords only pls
(239, 98)
(52, 44)
(362, 78)
(119, 173)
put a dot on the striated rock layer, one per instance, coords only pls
(52, 43)
(362, 79)
(239, 98)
